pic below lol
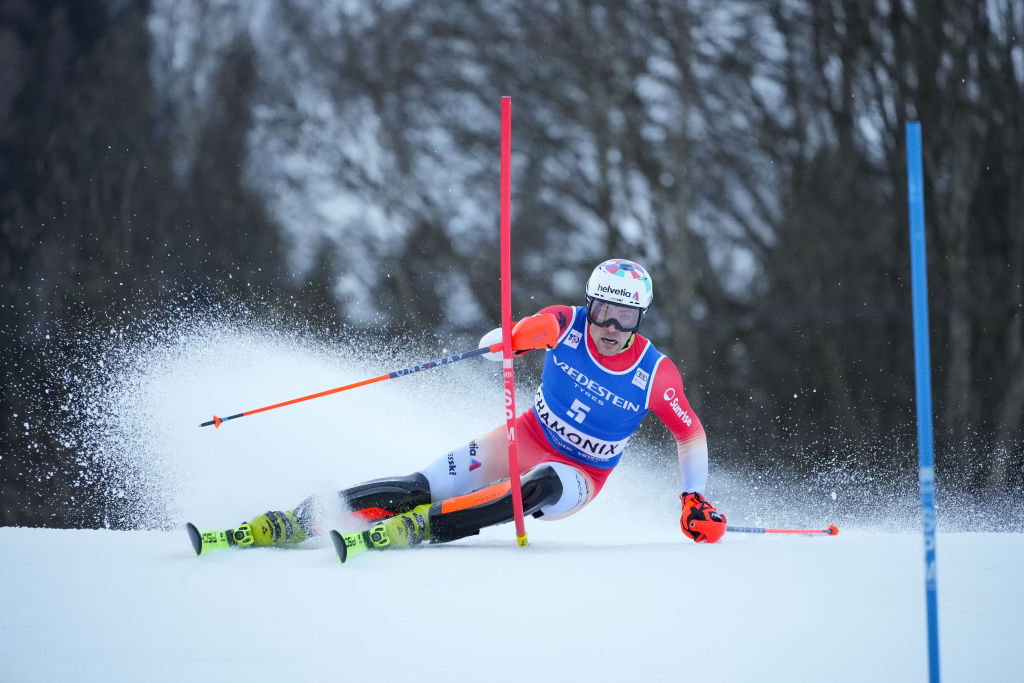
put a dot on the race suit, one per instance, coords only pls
(584, 412)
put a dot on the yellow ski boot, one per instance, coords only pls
(402, 531)
(270, 528)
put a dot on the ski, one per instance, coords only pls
(347, 545)
(208, 541)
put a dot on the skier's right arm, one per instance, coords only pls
(537, 331)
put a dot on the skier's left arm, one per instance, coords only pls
(700, 520)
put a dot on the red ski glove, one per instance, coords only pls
(700, 520)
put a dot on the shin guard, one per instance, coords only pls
(463, 516)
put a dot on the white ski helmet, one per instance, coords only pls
(622, 282)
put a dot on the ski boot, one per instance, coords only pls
(271, 528)
(401, 531)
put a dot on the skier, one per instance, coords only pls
(598, 383)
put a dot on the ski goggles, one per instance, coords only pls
(604, 313)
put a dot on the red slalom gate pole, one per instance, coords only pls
(506, 318)
(830, 531)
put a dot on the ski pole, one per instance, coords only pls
(830, 531)
(530, 333)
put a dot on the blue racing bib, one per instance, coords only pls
(586, 411)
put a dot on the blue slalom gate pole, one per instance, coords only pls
(923, 379)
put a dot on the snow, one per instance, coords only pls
(589, 599)
(613, 593)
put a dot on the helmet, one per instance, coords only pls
(621, 282)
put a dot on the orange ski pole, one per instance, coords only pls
(830, 531)
(531, 333)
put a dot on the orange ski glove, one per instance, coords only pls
(700, 520)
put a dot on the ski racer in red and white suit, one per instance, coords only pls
(600, 379)
(485, 460)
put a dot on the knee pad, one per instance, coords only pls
(542, 486)
(574, 492)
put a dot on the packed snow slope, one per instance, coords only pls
(614, 593)
(604, 597)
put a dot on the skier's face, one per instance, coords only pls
(608, 340)
(611, 325)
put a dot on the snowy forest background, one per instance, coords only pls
(333, 168)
